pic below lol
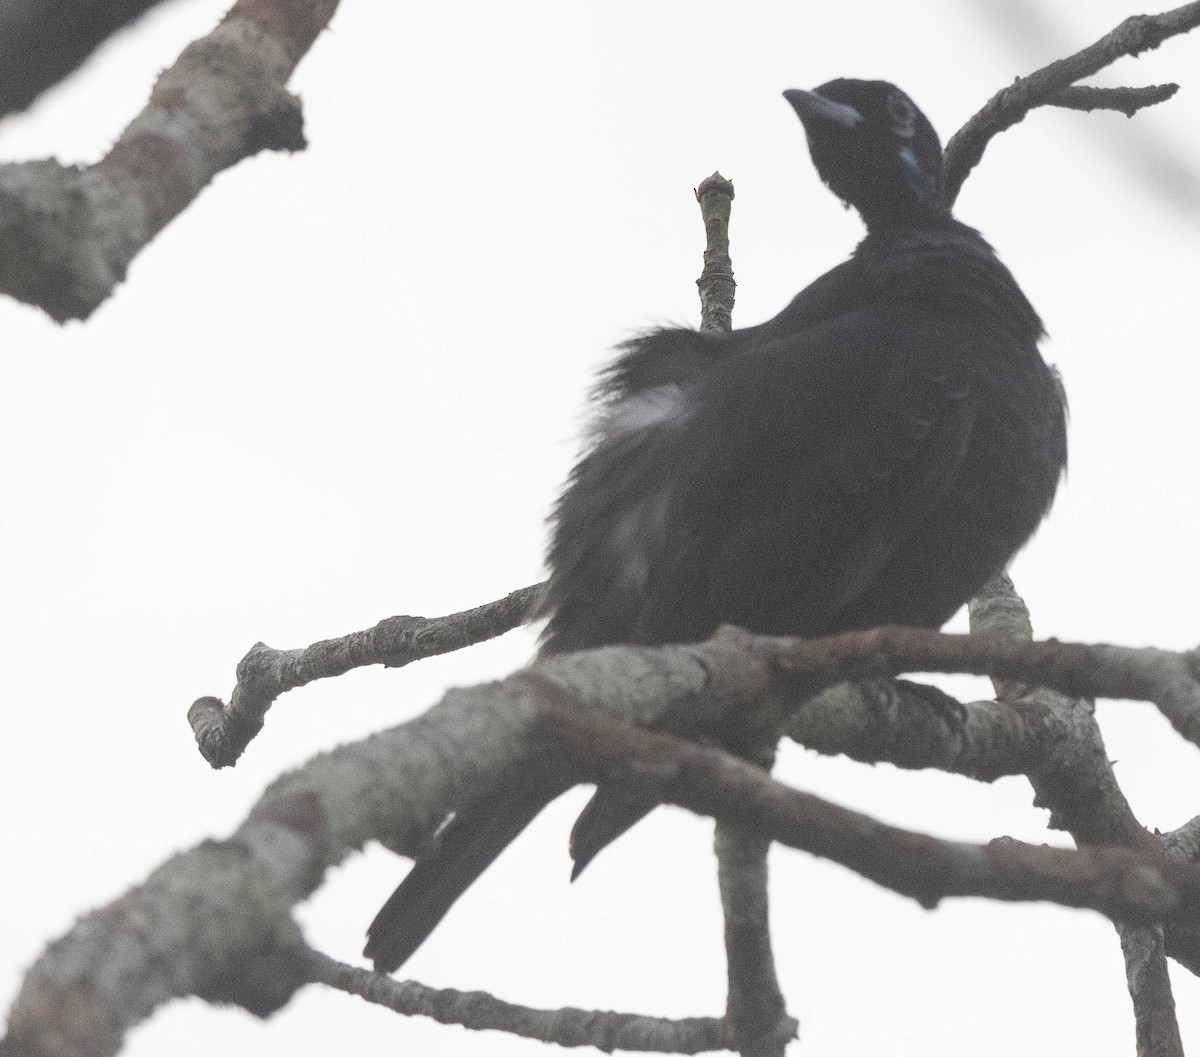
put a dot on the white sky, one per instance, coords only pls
(347, 384)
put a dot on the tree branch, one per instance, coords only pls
(1124, 884)
(755, 1007)
(479, 1011)
(716, 283)
(69, 234)
(202, 922)
(216, 921)
(223, 731)
(1079, 786)
(1182, 938)
(1170, 680)
(1007, 107)
(1127, 100)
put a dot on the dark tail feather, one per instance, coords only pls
(611, 811)
(466, 846)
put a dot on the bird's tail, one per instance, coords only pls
(466, 846)
(611, 811)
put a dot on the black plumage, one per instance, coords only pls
(872, 455)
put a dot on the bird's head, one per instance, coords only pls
(873, 148)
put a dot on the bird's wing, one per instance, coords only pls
(803, 466)
(615, 519)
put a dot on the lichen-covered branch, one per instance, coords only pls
(68, 234)
(716, 283)
(1047, 86)
(755, 1008)
(213, 921)
(216, 921)
(1182, 938)
(1078, 785)
(1170, 680)
(223, 731)
(1125, 884)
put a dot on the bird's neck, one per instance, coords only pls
(893, 217)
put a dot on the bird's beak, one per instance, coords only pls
(813, 107)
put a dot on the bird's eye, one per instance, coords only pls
(903, 115)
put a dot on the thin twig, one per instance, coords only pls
(223, 731)
(716, 283)
(1136, 34)
(755, 1006)
(1124, 884)
(480, 1011)
(1127, 100)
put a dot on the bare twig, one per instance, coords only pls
(479, 1011)
(223, 731)
(42, 41)
(1127, 100)
(717, 287)
(1136, 34)
(755, 1007)
(68, 234)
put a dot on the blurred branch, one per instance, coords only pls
(755, 1008)
(1156, 1027)
(1182, 938)
(1183, 844)
(68, 234)
(223, 731)
(1007, 107)
(42, 41)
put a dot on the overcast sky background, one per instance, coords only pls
(348, 383)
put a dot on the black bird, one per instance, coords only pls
(872, 455)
